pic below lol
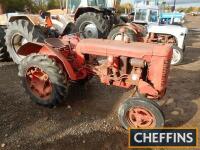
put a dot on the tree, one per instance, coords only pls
(189, 10)
(16, 5)
(125, 8)
(53, 4)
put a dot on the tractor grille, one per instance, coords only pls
(165, 72)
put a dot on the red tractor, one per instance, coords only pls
(49, 68)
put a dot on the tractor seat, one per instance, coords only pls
(56, 43)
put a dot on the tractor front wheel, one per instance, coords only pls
(140, 113)
(43, 79)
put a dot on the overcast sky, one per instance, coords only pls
(184, 1)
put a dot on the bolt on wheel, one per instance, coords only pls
(43, 79)
(39, 83)
(140, 113)
(140, 118)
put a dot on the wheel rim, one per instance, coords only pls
(17, 41)
(138, 117)
(176, 56)
(39, 83)
(89, 30)
(118, 36)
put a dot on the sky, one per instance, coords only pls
(180, 3)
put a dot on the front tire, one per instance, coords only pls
(177, 56)
(140, 113)
(43, 80)
(18, 33)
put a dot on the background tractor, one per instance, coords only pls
(93, 18)
(152, 31)
(19, 28)
(49, 68)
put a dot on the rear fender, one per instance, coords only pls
(83, 10)
(39, 48)
(34, 19)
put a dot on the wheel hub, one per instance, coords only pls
(39, 83)
(118, 37)
(140, 118)
(89, 30)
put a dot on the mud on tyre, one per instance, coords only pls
(18, 33)
(43, 80)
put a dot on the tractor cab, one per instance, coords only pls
(146, 14)
(73, 6)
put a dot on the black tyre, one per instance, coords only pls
(43, 79)
(4, 56)
(177, 57)
(115, 34)
(92, 25)
(18, 33)
(140, 113)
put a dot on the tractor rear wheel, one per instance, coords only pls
(43, 79)
(18, 33)
(4, 56)
(140, 112)
(115, 34)
(92, 25)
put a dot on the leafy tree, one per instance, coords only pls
(53, 4)
(125, 8)
(189, 10)
(16, 5)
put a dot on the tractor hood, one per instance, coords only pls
(167, 29)
(119, 48)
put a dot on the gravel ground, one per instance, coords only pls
(87, 120)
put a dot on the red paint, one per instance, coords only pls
(82, 59)
(39, 83)
(140, 118)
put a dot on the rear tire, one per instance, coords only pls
(177, 57)
(87, 22)
(55, 87)
(4, 56)
(115, 34)
(20, 32)
(140, 107)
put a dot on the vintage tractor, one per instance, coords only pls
(49, 68)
